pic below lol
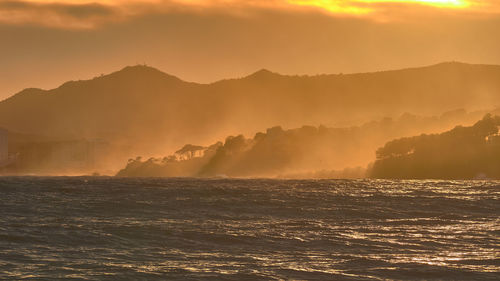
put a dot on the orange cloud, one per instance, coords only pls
(390, 10)
(57, 13)
(82, 14)
(366, 6)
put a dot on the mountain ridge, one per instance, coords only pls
(152, 112)
(139, 68)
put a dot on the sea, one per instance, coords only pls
(99, 228)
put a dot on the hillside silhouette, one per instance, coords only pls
(142, 111)
(305, 152)
(462, 153)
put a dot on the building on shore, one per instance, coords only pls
(4, 146)
(58, 156)
(22, 154)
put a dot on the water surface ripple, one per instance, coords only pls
(228, 229)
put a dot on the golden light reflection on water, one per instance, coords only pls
(414, 227)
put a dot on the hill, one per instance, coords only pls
(305, 152)
(462, 153)
(143, 111)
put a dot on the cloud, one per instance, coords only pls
(396, 10)
(56, 14)
(86, 14)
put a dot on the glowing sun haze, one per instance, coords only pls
(335, 6)
(47, 42)
(85, 14)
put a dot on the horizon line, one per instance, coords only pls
(265, 70)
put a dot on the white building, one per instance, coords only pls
(4, 146)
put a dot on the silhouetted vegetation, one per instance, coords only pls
(307, 152)
(461, 153)
(142, 111)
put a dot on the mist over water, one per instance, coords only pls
(191, 229)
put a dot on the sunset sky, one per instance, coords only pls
(47, 42)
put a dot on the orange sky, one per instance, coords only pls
(90, 14)
(46, 42)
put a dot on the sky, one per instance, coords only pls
(44, 43)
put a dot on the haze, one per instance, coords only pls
(45, 43)
(250, 139)
(292, 88)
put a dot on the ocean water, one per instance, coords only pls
(228, 229)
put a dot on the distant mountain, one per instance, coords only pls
(146, 111)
